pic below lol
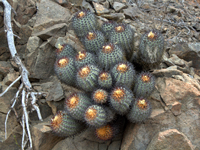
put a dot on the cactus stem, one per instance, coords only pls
(118, 94)
(91, 114)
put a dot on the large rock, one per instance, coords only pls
(170, 139)
(50, 13)
(40, 63)
(170, 94)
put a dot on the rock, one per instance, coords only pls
(57, 30)
(62, 2)
(24, 10)
(176, 108)
(132, 12)
(5, 67)
(114, 16)
(33, 43)
(172, 92)
(115, 145)
(169, 140)
(100, 9)
(168, 72)
(118, 6)
(175, 60)
(50, 13)
(40, 63)
(87, 6)
(13, 142)
(106, 4)
(10, 77)
(42, 136)
(53, 88)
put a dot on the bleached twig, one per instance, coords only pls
(25, 89)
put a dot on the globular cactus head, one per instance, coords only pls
(87, 76)
(93, 41)
(64, 125)
(109, 55)
(84, 21)
(107, 27)
(124, 73)
(151, 48)
(120, 99)
(65, 50)
(95, 116)
(140, 111)
(65, 70)
(105, 80)
(76, 104)
(105, 133)
(84, 58)
(123, 35)
(144, 84)
(100, 96)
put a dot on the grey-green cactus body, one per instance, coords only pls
(151, 48)
(123, 35)
(109, 55)
(95, 116)
(62, 124)
(120, 99)
(87, 77)
(144, 85)
(65, 50)
(107, 27)
(84, 21)
(84, 58)
(124, 73)
(140, 111)
(100, 96)
(93, 41)
(105, 80)
(65, 70)
(76, 104)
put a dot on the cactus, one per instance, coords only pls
(122, 34)
(151, 48)
(95, 116)
(140, 111)
(105, 80)
(84, 21)
(87, 76)
(144, 84)
(65, 70)
(64, 125)
(124, 73)
(65, 50)
(93, 41)
(109, 55)
(76, 104)
(100, 96)
(120, 99)
(83, 58)
(107, 27)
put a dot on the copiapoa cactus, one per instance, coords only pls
(144, 84)
(64, 125)
(140, 111)
(109, 55)
(65, 50)
(84, 21)
(65, 70)
(105, 80)
(151, 48)
(76, 104)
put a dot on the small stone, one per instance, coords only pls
(100, 9)
(33, 43)
(169, 140)
(114, 16)
(10, 77)
(132, 12)
(87, 6)
(61, 2)
(176, 60)
(118, 6)
(5, 67)
(176, 108)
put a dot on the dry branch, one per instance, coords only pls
(25, 90)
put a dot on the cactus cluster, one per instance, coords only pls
(111, 86)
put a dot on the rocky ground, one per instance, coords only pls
(41, 24)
